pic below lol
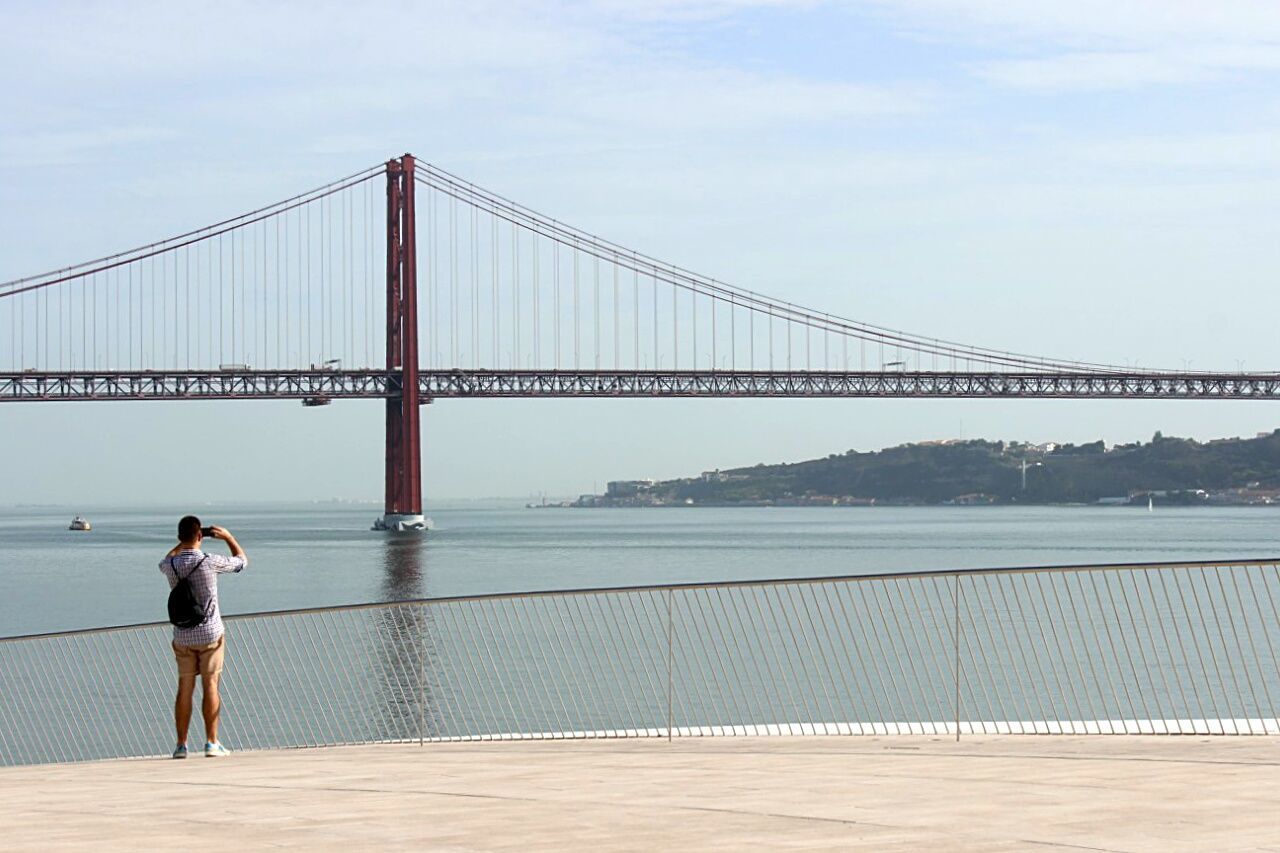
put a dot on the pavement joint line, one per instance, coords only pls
(420, 792)
(1068, 846)
(969, 780)
(509, 798)
(773, 771)
(727, 753)
(1110, 758)
(995, 755)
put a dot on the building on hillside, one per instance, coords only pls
(627, 488)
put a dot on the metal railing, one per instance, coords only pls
(1187, 648)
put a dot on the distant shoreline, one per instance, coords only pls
(1166, 471)
(889, 505)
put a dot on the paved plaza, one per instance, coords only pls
(983, 793)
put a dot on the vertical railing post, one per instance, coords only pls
(670, 693)
(422, 673)
(956, 622)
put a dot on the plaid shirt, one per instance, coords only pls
(204, 583)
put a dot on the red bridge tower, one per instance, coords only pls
(403, 504)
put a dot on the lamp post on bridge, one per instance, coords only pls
(402, 509)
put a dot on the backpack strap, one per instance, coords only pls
(174, 566)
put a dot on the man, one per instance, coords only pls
(199, 650)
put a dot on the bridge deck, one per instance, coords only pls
(462, 384)
(990, 793)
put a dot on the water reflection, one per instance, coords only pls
(403, 562)
(404, 651)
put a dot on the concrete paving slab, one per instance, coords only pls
(1121, 793)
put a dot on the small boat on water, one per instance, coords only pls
(79, 523)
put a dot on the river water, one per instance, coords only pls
(52, 579)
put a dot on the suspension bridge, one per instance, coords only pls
(323, 297)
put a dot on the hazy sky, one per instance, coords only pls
(1093, 180)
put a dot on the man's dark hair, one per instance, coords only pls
(188, 528)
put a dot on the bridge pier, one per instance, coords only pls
(402, 508)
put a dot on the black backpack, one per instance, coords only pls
(185, 609)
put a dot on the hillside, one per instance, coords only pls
(1171, 470)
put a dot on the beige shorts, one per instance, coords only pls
(205, 660)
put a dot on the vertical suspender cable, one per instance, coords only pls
(326, 314)
(576, 339)
(653, 288)
(333, 278)
(534, 255)
(262, 333)
(221, 302)
(693, 299)
(62, 304)
(128, 307)
(305, 292)
(293, 287)
(493, 264)
(138, 339)
(293, 295)
(617, 337)
(453, 281)
(826, 343)
(808, 346)
(515, 297)
(151, 360)
(156, 350)
(282, 285)
(789, 345)
(714, 363)
(238, 352)
(475, 288)
(368, 252)
(84, 328)
(675, 328)
(329, 279)
(167, 331)
(555, 313)
(332, 235)
(733, 335)
(437, 321)
(247, 298)
(595, 304)
(433, 298)
(348, 251)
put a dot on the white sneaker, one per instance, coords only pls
(215, 750)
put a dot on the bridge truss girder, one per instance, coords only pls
(462, 384)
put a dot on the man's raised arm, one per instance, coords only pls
(236, 551)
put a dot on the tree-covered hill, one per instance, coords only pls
(1176, 469)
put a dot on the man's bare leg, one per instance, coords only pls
(211, 707)
(182, 706)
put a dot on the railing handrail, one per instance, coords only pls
(727, 584)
